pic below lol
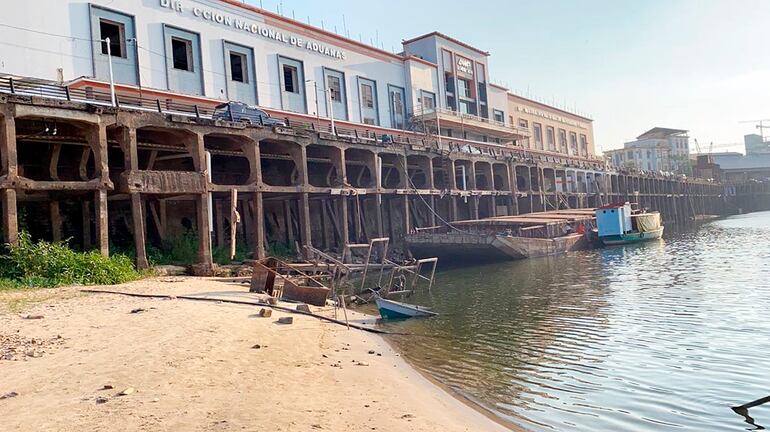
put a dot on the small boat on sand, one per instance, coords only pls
(617, 224)
(390, 309)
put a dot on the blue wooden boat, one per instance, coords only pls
(390, 309)
(617, 224)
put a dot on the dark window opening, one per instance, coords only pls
(335, 88)
(290, 79)
(117, 35)
(238, 67)
(367, 96)
(181, 50)
(398, 103)
(449, 83)
(428, 102)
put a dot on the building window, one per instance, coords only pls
(499, 116)
(563, 141)
(290, 75)
(116, 32)
(335, 88)
(367, 93)
(523, 123)
(464, 88)
(573, 142)
(120, 30)
(367, 96)
(181, 50)
(398, 103)
(467, 107)
(397, 95)
(239, 69)
(538, 133)
(550, 136)
(428, 100)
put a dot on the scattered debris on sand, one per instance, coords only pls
(14, 347)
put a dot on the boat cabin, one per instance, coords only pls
(614, 219)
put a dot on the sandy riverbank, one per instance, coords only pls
(194, 367)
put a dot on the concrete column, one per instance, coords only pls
(513, 182)
(127, 142)
(196, 146)
(10, 221)
(378, 214)
(428, 167)
(431, 215)
(205, 260)
(137, 217)
(407, 216)
(304, 219)
(97, 140)
(102, 222)
(342, 210)
(250, 150)
(8, 162)
(259, 226)
(450, 168)
(474, 207)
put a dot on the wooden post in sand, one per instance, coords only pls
(235, 219)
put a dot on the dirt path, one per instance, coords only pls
(195, 366)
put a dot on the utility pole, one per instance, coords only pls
(330, 109)
(113, 98)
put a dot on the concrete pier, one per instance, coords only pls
(102, 176)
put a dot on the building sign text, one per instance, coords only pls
(464, 66)
(254, 28)
(550, 116)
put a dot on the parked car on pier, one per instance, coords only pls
(240, 112)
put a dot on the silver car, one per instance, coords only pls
(240, 112)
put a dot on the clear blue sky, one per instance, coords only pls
(701, 65)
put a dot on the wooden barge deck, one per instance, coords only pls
(505, 237)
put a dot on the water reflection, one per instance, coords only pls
(665, 335)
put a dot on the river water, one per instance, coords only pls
(666, 335)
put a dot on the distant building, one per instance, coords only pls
(659, 149)
(735, 167)
(755, 144)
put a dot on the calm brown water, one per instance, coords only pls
(653, 337)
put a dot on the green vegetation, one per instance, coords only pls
(280, 250)
(46, 264)
(183, 250)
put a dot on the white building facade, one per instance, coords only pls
(222, 50)
(657, 150)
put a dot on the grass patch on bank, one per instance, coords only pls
(45, 264)
(183, 250)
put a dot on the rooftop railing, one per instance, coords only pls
(41, 88)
